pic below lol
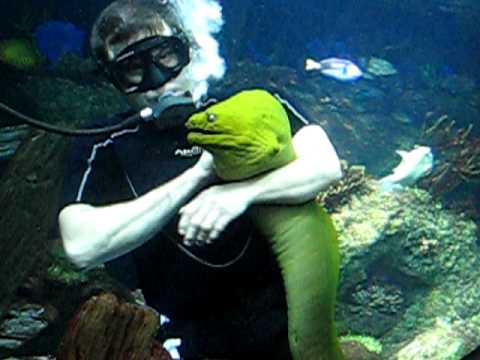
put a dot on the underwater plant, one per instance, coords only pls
(459, 155)
(353, 181)
(369, 342)
(21, 54)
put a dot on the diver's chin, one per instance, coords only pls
(138, 101)
(153, 98)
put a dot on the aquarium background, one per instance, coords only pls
(410, 273)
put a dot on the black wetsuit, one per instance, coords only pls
(235, 312)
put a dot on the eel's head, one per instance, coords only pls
(247, 134)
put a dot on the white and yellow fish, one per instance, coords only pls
(339, 69)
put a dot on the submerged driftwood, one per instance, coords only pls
(29, 196)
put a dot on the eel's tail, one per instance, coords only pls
(305, 244)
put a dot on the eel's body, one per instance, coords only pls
(249, 134)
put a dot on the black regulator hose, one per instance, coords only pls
(145, 115)
(169, 103)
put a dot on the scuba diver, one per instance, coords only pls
(149, 205)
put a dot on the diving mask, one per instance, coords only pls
(148, 64)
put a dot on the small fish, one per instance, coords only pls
(415, 164)
(21, 54)
(339, 69)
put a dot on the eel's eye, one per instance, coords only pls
(211, 117)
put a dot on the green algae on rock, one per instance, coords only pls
(409, 269)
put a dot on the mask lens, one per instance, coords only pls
(131, 72)
(149, 64)
(166, 59)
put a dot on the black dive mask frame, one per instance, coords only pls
(146, 56)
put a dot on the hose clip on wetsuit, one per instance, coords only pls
(146, 113)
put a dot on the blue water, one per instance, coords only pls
(431, 99)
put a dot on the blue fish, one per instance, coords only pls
(339, 69)
(57, 38)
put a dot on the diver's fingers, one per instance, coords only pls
(189, 235)
(197, 231)
(193, 228)
(213, 236)
(208, 225)
(186, 228)
(220, 225)
(186, 216)
(207, 216)
(201, 238)
(183, 223)
(211, 219)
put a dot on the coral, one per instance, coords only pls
(458, 154)
(405, 259)
(377, 297)
(372, 344)
(438, 342)
(428, 241)
(352, 181)
(20, 53)
(65, 274)
(22, 323)
(62, 271)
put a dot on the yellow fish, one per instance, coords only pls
(20, 53)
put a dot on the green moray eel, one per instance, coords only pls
(249, 134)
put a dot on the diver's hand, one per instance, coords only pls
(208, 214)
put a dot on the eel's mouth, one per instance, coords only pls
(203, 137)
(193, 130)
(211, 140)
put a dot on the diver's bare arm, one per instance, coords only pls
(316, 167)
(92, 235)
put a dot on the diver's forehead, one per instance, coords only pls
(117, 47)
(161, 29)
